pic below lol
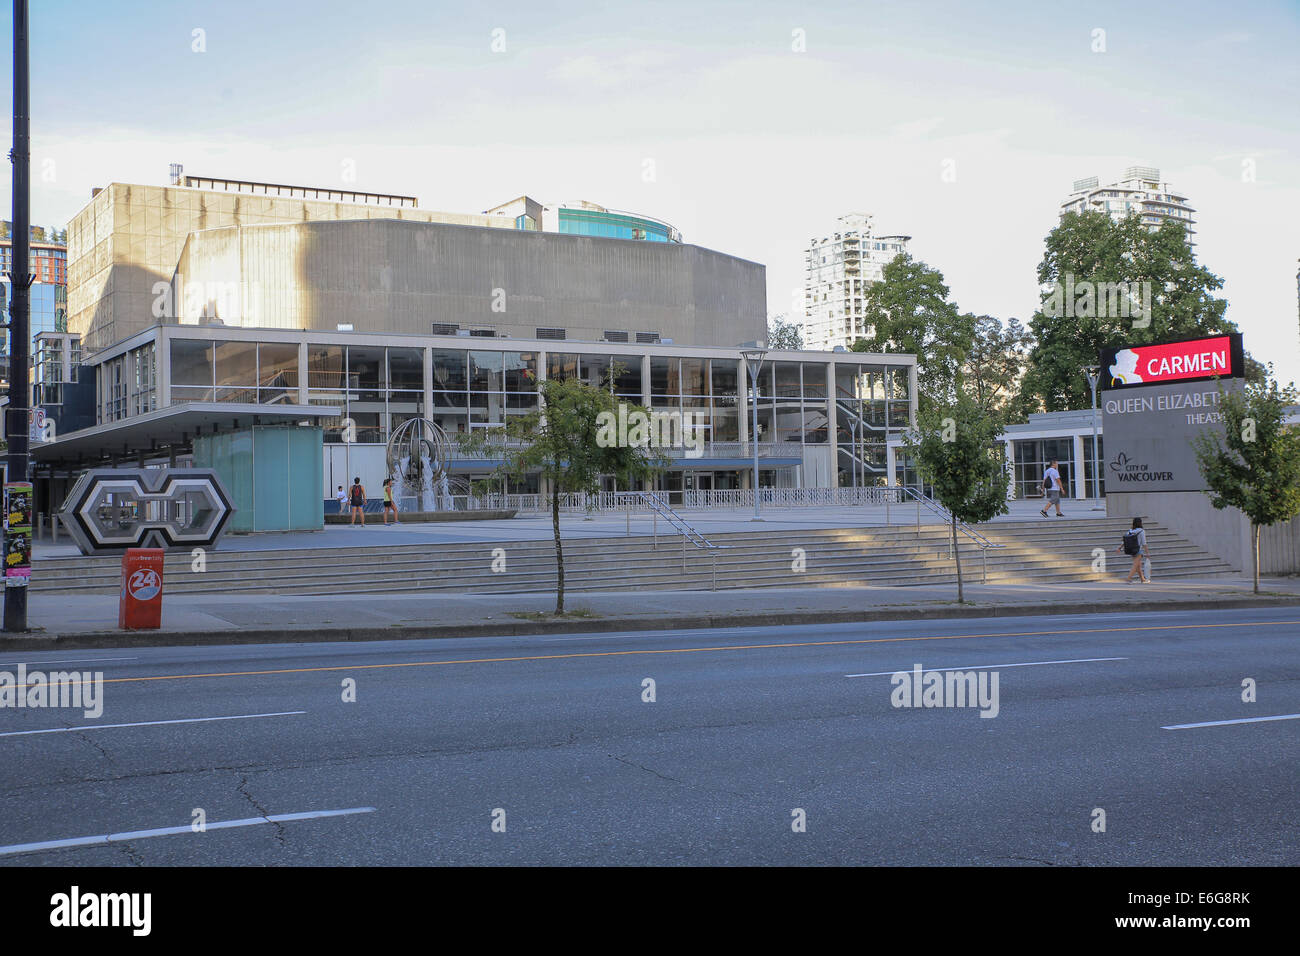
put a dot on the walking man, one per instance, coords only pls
(1052, 486)
(342, 499)
(358, 499)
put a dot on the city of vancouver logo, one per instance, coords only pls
(1127, 470)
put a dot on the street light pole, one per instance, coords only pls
(1094, 376)
(754, 362)
(16, 414)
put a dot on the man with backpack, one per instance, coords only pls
(1052, 489)
(1134, 544)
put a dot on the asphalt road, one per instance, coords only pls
(747, 726)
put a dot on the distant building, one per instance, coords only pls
(1140, 192)
(48, 260)
(838, 269)
(582, 218)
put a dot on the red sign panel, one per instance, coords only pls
(1173, 362)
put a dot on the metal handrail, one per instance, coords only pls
(946, 515)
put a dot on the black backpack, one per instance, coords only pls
(1131, 545)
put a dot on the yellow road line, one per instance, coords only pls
(682, 650)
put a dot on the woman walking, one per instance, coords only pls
(358, 499)
(389, 504)
(1135, 545)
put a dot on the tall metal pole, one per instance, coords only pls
(20, 280)
(754, 363)
(754, 408)
(1094, 376)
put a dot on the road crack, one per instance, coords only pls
(262, 811)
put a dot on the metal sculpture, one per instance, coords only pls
(109, 510)
(418, 457)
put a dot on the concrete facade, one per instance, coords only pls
(128, 239)
(415, 278)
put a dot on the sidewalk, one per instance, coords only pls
(91, 621)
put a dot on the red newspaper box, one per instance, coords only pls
(140, 607)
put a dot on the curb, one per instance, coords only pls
(518, 628)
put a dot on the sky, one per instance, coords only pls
(750, 126)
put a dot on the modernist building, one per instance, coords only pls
(1029, 447)
(837, 271)
(129, 238)
(254, 254)
(1140, 192)
(219, 317)
(158, 390)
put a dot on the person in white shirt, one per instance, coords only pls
(342, 499)
(1052, 486)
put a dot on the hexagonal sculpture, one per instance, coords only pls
(109, 510)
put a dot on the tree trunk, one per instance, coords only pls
(559, 549)
(1254, 540)
(956, 556)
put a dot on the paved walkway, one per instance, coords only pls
(212, 619)
(532, 526)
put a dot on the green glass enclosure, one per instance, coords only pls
(273, 473)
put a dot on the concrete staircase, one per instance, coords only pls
(1034, 551)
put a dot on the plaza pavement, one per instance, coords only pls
(528, 526)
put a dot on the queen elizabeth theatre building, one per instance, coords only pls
(281, 333)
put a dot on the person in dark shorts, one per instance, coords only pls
(1052, 487)
(389, 504)
(357, 498)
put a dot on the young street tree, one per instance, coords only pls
(957, 452)
(908, 311)
(558, 442)
(1090, 266)
(1254, 464)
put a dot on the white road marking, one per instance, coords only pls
(147, 723)
(105, 838)
(73, 660)
(1224, 723)
(973, 667)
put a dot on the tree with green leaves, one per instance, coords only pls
(783, 335)
(957, 453)
(908, 311)
(1108, 284)
(994, 364)
(561, 442)
(1253, 464)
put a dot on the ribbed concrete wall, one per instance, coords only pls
(390, 276)
(129, 237)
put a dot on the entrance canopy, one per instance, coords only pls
(165, 431)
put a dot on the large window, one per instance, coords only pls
(1032, 457)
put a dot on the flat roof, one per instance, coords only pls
(499, 343)
(169, 426)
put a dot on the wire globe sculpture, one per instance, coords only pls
(418, 456)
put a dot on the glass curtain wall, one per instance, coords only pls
(872, 401)
(475, 389)
(1032, 456)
